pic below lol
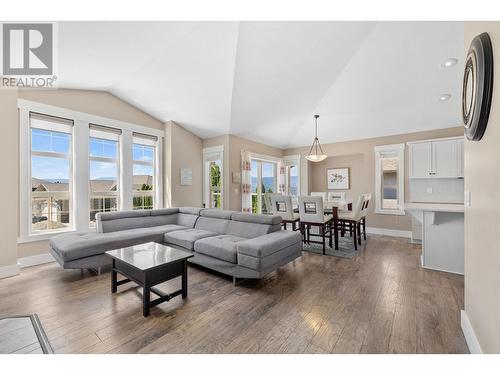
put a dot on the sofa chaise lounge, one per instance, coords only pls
(234, 243)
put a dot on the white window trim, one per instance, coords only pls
(400, 149)
(106, 160)
(295, 158)
(156, 178)
(206, 188)
(265, 159)
(80, 167)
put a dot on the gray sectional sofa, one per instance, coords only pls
(234, 243)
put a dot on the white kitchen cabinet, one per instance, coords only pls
(437, 158)
(420, 159)
(445, 158)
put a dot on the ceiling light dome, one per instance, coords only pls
(445, 97)
(450, 62)
(316, 153)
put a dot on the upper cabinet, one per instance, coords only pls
(437, 158)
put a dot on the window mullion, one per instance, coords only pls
(126, 172)
(79, 191)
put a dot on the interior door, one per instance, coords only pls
(421, 159)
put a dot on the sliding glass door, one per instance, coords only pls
(264, 181)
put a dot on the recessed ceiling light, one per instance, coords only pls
(450, 62)
(445, 97)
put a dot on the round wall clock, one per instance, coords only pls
(477, 87)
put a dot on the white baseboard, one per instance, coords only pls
(9, 271)
(35, 260)
(389, 232)
(470, 336)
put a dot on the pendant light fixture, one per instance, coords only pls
(316, 153)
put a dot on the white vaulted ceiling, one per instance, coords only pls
(265, 80)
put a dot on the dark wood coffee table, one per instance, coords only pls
(148, 265)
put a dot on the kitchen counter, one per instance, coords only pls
(440, 228)
(435, 207)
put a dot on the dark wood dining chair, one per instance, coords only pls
(312, 214)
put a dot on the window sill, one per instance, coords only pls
(390, 212)
(41, 236)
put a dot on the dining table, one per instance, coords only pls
(331, 208)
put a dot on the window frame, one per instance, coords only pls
(269, 160)
(56, 155)
(103, 159)
(399, 153)
(209, 154)
(288, 160)
(80, 191)
(143, 193)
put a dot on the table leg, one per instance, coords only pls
(336, 227)
(114, 278)
(185, 280)
(146, 298)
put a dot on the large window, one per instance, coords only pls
(104, 166)
(389, 179)
(144, 165)
(72, 169)
(51, 167)
(264, 181)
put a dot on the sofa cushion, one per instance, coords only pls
(71, 246)
(212, 224)
(256, 218)
(222, 247)
(124, 220)
(216, 213)
(186, 238)
(190, 210)
(250, 230)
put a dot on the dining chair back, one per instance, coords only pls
(336, 196)
(311, 209)
(282, 206)
(267, 202)
(321, 194)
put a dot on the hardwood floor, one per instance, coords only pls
(379, 302)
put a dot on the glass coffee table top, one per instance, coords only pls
(149, 255)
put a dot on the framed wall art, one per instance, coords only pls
(337, 178)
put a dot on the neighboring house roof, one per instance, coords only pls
(95, 185)
(143, 179)
(103, 185)
(52, 186)
(35, 182)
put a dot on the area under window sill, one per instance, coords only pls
(42, 236)
(390, 212)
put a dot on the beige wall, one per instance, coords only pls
(185, 152)
(482, 222)
(98, 103)
(9, 189)
(360, 156)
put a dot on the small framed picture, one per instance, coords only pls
(236, 177)
(186, 177)
(338, 178)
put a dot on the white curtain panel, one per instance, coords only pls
(246, 181)
(282, 173)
